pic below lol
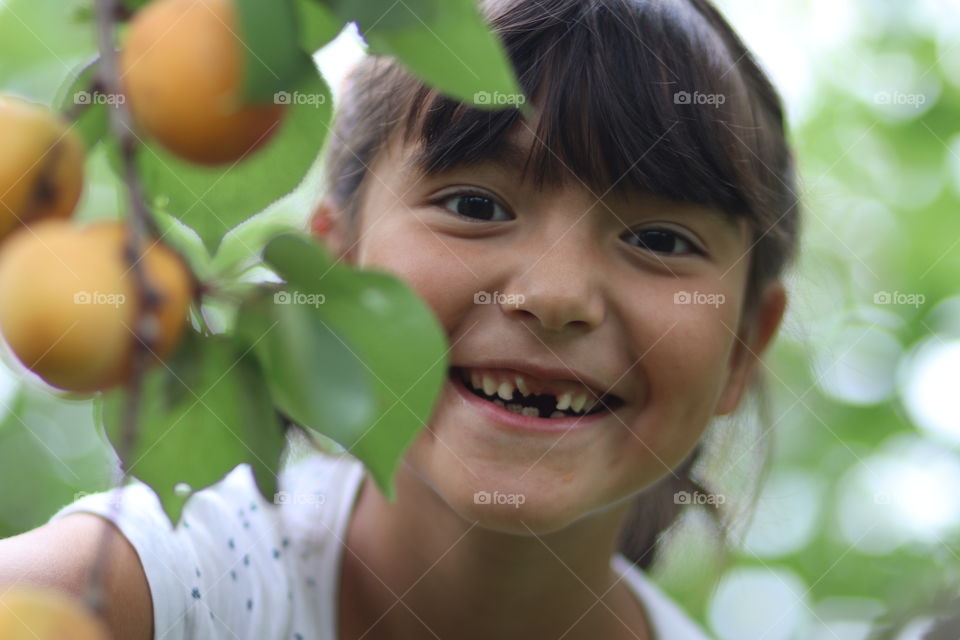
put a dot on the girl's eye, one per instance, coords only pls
(475, 206)
(661, 241)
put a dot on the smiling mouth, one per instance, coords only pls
(534, 398)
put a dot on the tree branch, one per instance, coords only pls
(139, 229)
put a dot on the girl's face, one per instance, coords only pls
(577, 293)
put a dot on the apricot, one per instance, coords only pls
(41, 165)
(68, 301)
(34, 613)
(182, 70)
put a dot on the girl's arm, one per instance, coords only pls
(59, 555)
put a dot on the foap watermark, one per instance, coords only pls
(712, 99)
(99, 297)
(699, 297)
(297, 497)
(98, 97)
(498, 98)
(898, 297)
(685, 497)
(485, 497)
(495, 297)
(900, 98)
(297, 97)
(299, 297)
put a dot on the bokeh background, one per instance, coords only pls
(856, 531)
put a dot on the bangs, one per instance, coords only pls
(629, 96)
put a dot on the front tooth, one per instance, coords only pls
(522, 385)
(499, 402)
(489, 385)
(563, 401)
(516, 407)
(505, 391)
(578, 402)
(476, 380)
(533, 412)
(558, 414)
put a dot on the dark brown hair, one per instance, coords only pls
(652, 95)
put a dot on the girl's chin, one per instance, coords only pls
(502, 481)
(499, 499)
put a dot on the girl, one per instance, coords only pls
(608, 273)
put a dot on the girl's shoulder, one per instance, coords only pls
(238, 564)
(668, 620)
(317, 494)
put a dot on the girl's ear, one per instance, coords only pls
(331, 225)
(749, 348)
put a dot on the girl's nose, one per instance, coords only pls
(560, 290)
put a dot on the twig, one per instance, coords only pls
(139, 227)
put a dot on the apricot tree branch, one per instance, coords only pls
(139, 229)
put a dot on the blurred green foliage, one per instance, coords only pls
(874, 547)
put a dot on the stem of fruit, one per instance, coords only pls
(140, 228)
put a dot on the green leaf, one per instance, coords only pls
(298, 258)
(242, 246)
(274, 60)
(135, 5)
(185, 241)
(45, 457)
(202, 413)
(386, 14)
(452, 48)
(40, 42)
(312, 375)
(318, 24)
(92, 123)
(214, 200)
(391, 333)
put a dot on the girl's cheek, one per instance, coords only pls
(412, 253)
(684, 352)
